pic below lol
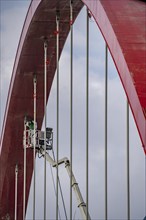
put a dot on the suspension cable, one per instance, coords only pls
(87, 115)
(16, 190)
(24, 170)
(45, 119)
(106, 130)
(61, 193)
(71, 98)
(34, 147)
(55, 189)
(128, 164)
(57, 112)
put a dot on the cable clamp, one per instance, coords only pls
(57, 15)
(34, 78)
(71, 22)
(45, 43)
(56, 32)
(16, 168)
(71, 2)
(47, 62)
(89, 13)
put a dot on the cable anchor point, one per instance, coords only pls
(57, 15)
(34, 78)
(45, 42)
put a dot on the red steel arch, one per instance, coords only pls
(122, 24)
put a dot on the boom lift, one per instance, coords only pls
(29, 140)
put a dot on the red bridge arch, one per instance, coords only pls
(122, 24)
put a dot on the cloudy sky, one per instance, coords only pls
(12, 17)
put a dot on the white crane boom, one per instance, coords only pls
(38, 136)
(65, 160)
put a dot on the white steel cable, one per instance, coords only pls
(24, 170)
(54, 180)
(128, 163)
(55, 189)
(87, 115)
(45, 119)
(71, 98)
(34, 147)
(106, 130)
(57, 112)
(16, 190)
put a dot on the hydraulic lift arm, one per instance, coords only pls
(65, 160)
(39, 146)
